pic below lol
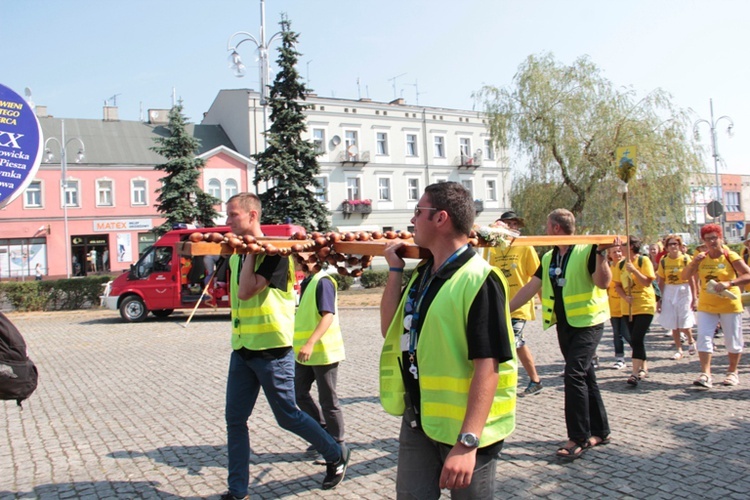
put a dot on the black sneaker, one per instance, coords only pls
(229, 496)
(335, 470)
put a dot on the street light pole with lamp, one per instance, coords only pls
(714, 150)
(235, 62)
(63, 145)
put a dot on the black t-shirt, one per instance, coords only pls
(562, 318)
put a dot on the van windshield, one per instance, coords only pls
(153, 259)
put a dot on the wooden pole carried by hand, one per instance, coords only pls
(626, 157)
(203, 293)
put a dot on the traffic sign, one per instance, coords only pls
(714, 209)
(739, 225)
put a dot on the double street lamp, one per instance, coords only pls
(714, 150)
(235, 61)
(62, 144)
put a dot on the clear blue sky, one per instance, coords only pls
(75, 54)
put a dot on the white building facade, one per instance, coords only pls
(376, 158)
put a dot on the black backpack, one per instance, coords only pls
(18, 374)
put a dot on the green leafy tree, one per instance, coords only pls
(181, 200)
(566, 123)
(288, 166)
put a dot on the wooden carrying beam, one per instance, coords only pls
(377, 247)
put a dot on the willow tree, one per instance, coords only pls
(566, 123)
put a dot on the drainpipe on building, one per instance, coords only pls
(426, 157)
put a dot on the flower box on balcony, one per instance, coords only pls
(356, 206)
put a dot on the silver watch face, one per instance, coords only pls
(468, 439)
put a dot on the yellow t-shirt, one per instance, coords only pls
(518, 264)
(670, 270)
(615, 311)
(718, 270)
(644, 298)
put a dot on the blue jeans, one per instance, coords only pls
(276, 377)
(621, 334)
(420, 462)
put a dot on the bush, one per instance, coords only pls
(54, 295)
(344, 282)
(375, 279)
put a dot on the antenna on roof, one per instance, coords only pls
(416, 89)
(359, 90)
(113, 99)
(395, 93)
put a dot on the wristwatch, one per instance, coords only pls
(468, 439)
(603, 253)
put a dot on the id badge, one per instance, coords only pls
(404, 342)
(561, 282)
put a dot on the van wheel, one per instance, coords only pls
(132, 309)
(162, 313)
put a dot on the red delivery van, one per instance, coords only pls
(163, 280)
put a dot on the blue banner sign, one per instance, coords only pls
(20, 145)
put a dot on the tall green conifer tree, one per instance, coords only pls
(288, 166)
(181, 200)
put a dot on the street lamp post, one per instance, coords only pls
(63, 145)
(714, 150)
(235, 62)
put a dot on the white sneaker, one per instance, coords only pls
(619, 364)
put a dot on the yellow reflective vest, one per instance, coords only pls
(585, 303)
(266, 320)
(445, 370)
(330, 348)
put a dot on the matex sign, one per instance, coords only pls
(105, 226)
(20, 145)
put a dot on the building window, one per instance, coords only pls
(230, 189)
(489, 150)
(732, 201)
(33, 196)
(71, 194)
(321, 189)
(350, 144)
(439, 146)
(382, 140)
(214, 188)
(491, 191)
(138, 192)
(411, 145)
(464, 145)
(469, 185)
(319, 140)
(104, 193)
(352, 188)
(412, 188)
(384, 189)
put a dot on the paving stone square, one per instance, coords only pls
(134, 411)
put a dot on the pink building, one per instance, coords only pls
(111, 195)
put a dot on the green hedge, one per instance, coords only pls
(375, 279)
(54, 295)
(344, 282)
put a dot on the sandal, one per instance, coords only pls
(691, 349)
(632, 380)
(573, 451)
(642, 374)
(703, 380)
(601, 442)
(677, 355)
(731, 379)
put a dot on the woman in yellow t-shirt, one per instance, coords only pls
(678, 296)
(719, 270)
(634, 284)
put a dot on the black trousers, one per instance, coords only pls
(585, 415)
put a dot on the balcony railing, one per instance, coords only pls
(358, 160)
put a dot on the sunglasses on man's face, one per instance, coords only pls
(418, 210)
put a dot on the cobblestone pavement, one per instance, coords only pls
(136, 411)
